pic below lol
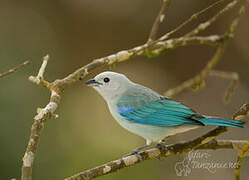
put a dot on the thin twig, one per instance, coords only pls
(232, 76)
(43, 67)
(190, 19)
(159, 19)
(39, 80)
(243, 149)
(206, 24)
(193, 17)
(224, 74)
(14, 69)
(198, 79)
(170, 44)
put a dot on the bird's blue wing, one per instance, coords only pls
(163, 112)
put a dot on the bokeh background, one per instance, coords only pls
(85, 135)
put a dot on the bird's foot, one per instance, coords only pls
(134, 152)
(160, 146)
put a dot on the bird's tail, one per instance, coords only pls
(217, 121)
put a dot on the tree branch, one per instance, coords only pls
(151, 154)
(159, 19)
(14, 69)
(39, 80)
(242, 152)
(209, 22)
(206, 141)
(232, 76)
(59, 85)
(198, 80)
(190, 19)
(39, 122)
(56, 88)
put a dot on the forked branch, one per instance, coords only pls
(152, 48)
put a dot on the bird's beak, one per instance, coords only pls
(92, 82)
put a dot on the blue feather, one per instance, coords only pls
(122, 110)
(216, 121)
(166, 112)
(163, 112)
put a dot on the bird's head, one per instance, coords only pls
(110, 85)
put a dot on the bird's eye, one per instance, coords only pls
(106, 80)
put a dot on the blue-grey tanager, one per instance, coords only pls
(146, 113)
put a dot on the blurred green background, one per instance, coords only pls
(85, 135)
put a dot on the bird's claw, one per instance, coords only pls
(134, 152)
(160, 146)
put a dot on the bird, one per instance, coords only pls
(148, 114)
